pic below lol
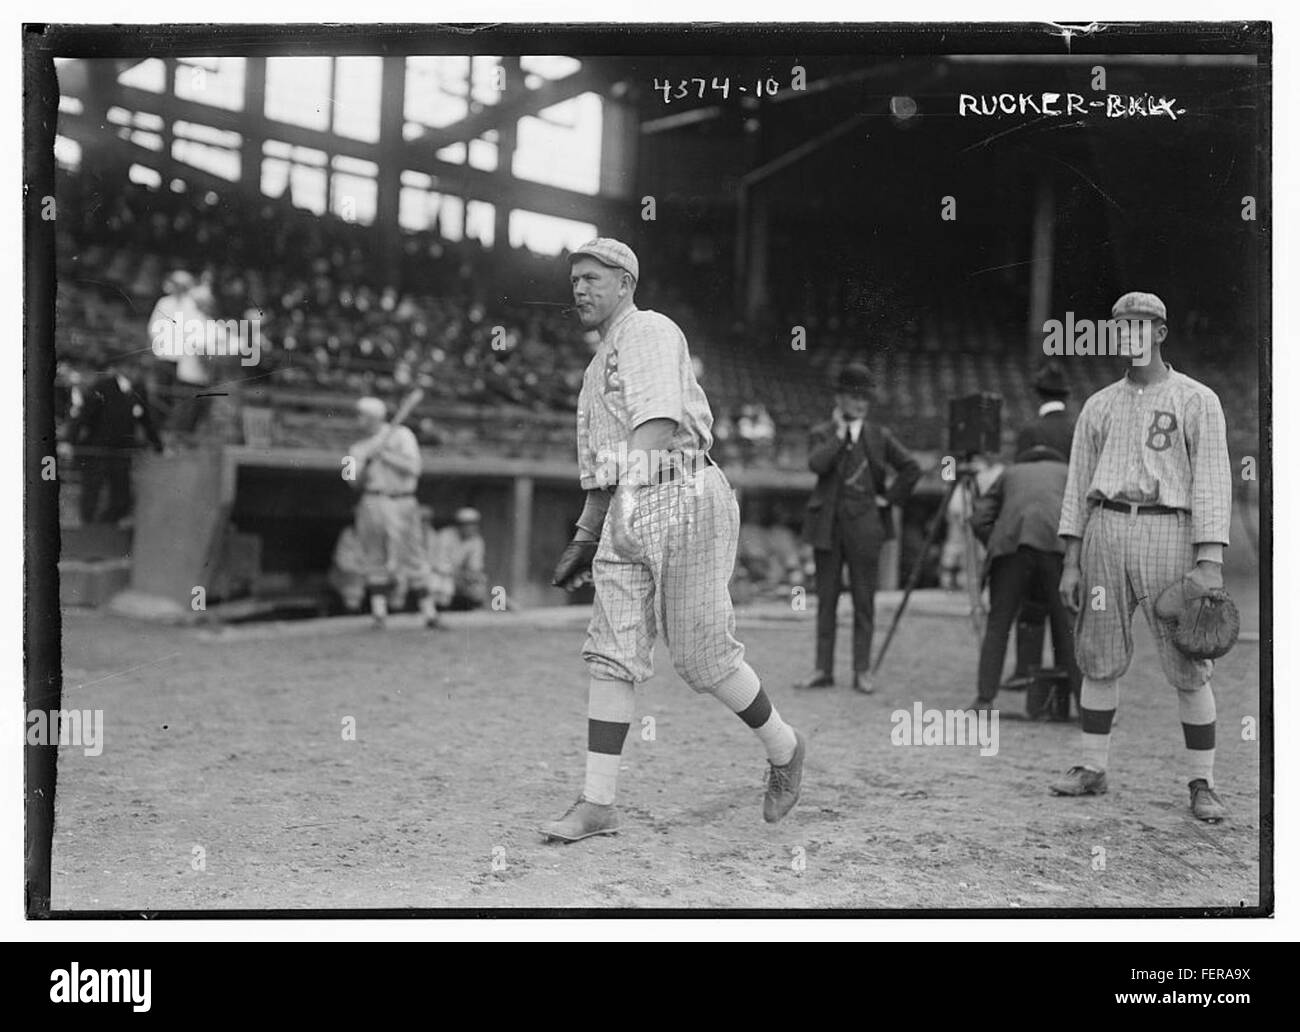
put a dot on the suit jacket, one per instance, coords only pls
(1056, 430)
(1022, 507)
(109, 417)
(875, 449)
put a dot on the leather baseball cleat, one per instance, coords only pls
(582, 820)
(783, 784)
(819, 679)
(1080, 781)
(1206, 805)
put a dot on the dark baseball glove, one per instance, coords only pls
(573, 569)
(1205, 622)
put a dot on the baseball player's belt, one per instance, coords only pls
(1133, 508)
(392, 494)
(676, 471)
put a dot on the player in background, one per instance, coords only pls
(388, 527)
(465, 554)
(1148, 497)
(659, 529)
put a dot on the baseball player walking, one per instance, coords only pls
(1147, 498)
(658, 532)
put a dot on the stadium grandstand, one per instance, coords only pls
(402, 221)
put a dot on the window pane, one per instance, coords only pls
(354, 198)
(297, 90)
(358, 83)
(206, 134)
(217, 160)
(151, 140)
(148, 75)
(451, 218)
(307, 188)
(455, 154)
(488, 80)
(483, 155)
(436, 91)
(67, 153)
(357, 166)
(275, 176)
(413, 209)
(546, 234)
(218, 81)
(304, 155)
(144, 176)
(561, 146)
(550, 67)
(480, 222)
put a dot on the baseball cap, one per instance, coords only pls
(854, 378)
(178, 281)
(1138, 304)
(468, 515)
(373, 407)
(611, 252)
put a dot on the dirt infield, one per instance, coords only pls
(226, 780)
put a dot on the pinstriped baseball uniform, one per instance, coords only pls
(641, 371)
(687, 528)
(1164, 444)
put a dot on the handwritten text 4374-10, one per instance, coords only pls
(701, 88)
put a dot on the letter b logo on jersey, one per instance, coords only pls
(1160, 435)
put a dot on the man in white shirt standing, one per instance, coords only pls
(176, 317)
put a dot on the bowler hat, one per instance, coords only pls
(1050, 381)
(854, 378)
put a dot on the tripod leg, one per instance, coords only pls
(978, 611)
(940, 519)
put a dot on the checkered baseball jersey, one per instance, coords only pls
(1160, 445)
(641, 371)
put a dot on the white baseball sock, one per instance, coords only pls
(1097, 703)
(610, 705)
(1196, 710)
(742, 693)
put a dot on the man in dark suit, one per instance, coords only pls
(1053, 428)
(849, 517)
(1017, 519)
(104, 432)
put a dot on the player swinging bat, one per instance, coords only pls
(658, 534)
(390, 535)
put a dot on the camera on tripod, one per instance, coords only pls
(975, 425)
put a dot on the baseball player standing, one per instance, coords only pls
(1147, 498)
(388, 526)
(659, 532)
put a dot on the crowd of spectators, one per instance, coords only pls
(327, 320)
(480, 328)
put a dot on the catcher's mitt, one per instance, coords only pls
(573, 569)
(1205, 620)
